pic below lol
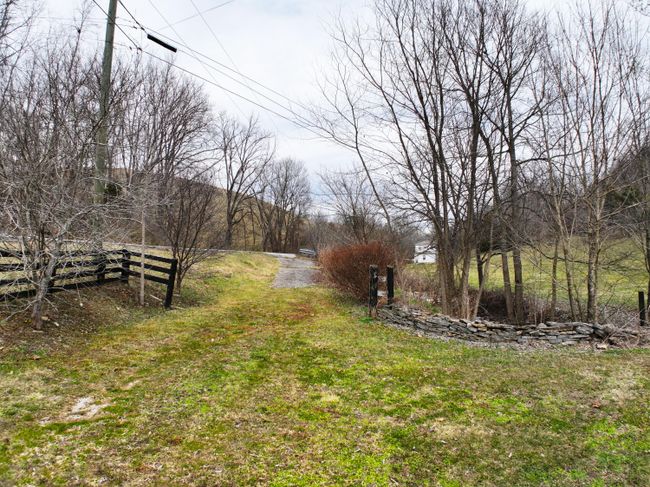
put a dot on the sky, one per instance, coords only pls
(283, 44)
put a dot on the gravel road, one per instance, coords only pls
(295, 271)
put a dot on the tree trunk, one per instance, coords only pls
(515, 223)
(481, 287)
(519, 284)
(41, 292)
(568, 269)
(179, 280)
(554, 279)
(37, 315)
(479, 267)
(465, 305)
(227, 239)
(647, 257)
(445, 276)
(592, 277)
(507, 289)
(142, 252)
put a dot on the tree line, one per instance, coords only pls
(498, 128)
(179, 172)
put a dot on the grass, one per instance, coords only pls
(622, 275)
(290, 387)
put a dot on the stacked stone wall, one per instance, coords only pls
(479, 330)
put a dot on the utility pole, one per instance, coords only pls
(101, 149)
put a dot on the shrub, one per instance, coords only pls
(418, 285)
(346, 266)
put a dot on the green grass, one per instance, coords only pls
(262, 386)
(622, 274)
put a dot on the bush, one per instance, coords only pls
(346, 266)
(419, 286)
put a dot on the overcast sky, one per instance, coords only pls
(283, 44)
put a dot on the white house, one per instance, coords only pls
(425, 253)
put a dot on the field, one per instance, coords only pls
(622, 276)
(259, 386)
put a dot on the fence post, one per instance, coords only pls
(390, 286)
(126, 266)
(642, 309)
(170, 283)
(373, 290)
(101, 267)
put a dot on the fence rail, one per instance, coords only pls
(79, 269)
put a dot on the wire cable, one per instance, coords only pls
(195, 58)
(225, 66)
(213, 82)
(223, 48)
(194, 53)
(200, 13)
(116, 24)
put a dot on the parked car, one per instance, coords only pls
(308, 253)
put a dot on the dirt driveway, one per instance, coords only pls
(295, 271)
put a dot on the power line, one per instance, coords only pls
(289, 109)
(193, 51)
(221, 87)
(299, 120)
(126, 9)
(202, 64)
(236, 70)
(263, 95)
(116, 24)
(214, 35)
(225, 66)
(223, 48)
(213, 82)
(232, 92)
(200, 13)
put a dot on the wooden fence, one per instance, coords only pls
(78, 269)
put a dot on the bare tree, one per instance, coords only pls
(16, 19)
(244, 150)
(596, 57)
(418, 82)
(161, 146)
(510, 54)
(46, 147)
(641, 6)
(356, 208)
(283, 198)
(187, 220)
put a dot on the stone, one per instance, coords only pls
(584, 329)
(601, 332)
(486, 331)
